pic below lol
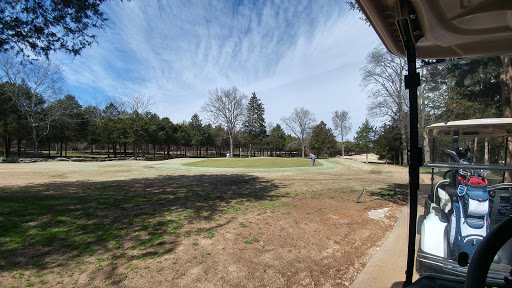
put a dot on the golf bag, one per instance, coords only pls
(469, 222)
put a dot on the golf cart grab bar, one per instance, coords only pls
(468, 166)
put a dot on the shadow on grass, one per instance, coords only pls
(51, 225)
(396, 193)
(399, 193)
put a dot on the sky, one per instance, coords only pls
(290, 53)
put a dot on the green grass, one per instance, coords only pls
(67, 222)
(210, 234)
(383, 193)
(254, 163)
(232, 209)
(275, 204)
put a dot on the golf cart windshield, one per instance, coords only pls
(465, 200)
(441, 29)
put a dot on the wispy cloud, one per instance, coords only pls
(175, 51)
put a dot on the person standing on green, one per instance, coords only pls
(313, 157)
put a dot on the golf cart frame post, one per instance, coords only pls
(412, 82)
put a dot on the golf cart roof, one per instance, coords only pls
(444, 28)
(489, 127)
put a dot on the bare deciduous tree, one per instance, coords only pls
(141, 103)
(34, 85)
(227, 108)
(42, 77)
(342, 125)
(300, 123)
(383, 78)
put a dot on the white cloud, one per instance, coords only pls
(290, 52)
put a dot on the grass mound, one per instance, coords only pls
(253, 163)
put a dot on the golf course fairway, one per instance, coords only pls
(253, 163)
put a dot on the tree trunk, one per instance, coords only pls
(250, 150)
(486, 151)
(404, 150)
(108, 150)
(7, 144)
(474, 150)
(426, 147)
(342, 148)
(19, 148)
(61, 144)
(34, 137)
(506, 94)
(303, 147)
(366, 157)
(230, 145)
(66, 147)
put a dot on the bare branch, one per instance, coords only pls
(341, 122)
(140, 103)
(300, 123)
(227, 108)
(383, 79)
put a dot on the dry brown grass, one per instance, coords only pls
(145, 226)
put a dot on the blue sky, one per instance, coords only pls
(291, 53)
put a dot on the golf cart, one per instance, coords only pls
(441, 29)
(464, 205)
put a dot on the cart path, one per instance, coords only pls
(386, 269)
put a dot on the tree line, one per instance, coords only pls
(34, 117)
(451, 90)
(34, 114)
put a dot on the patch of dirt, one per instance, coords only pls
(376, 214)
(285, 229)
(372, 158)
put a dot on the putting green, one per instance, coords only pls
(253, 163)
(248, 165)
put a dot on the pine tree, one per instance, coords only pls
(322, 139)
(365, 136)
(277, 138)
(254, 125)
